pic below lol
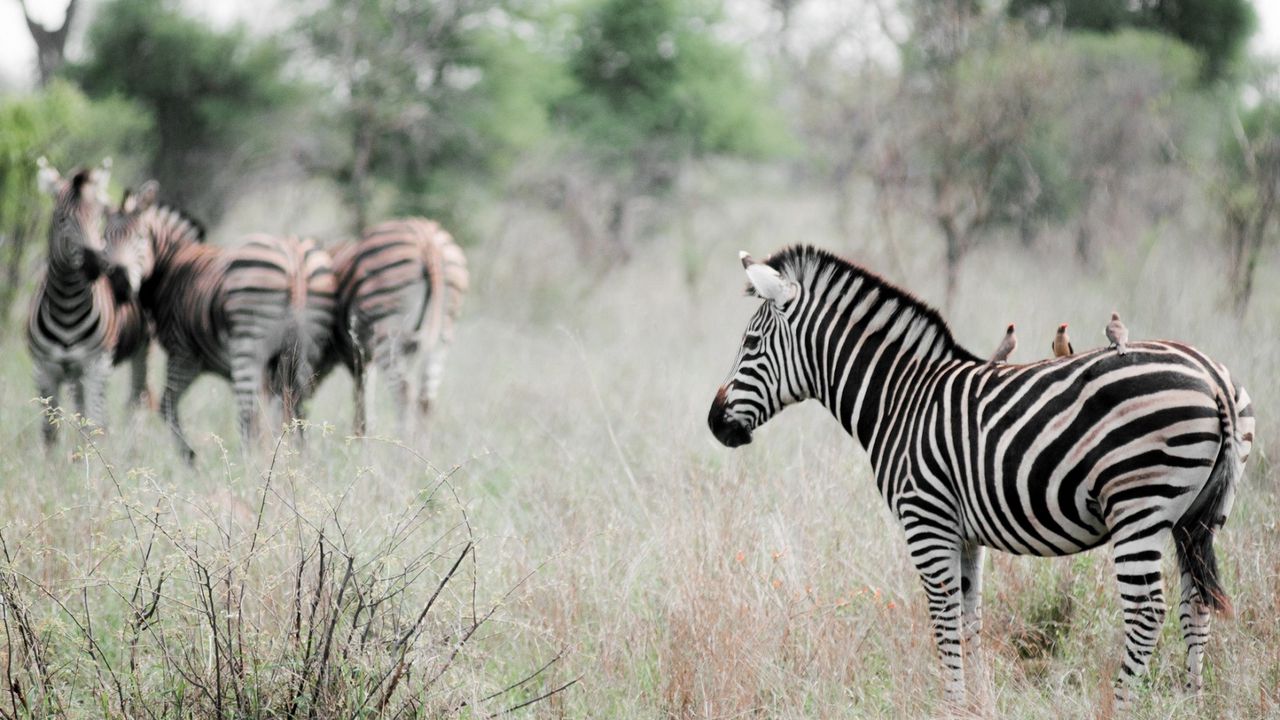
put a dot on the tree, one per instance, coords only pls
(1217, 29)
(1248, 187)
(653, 89)
(51, 43)
(60, 123)
(426, 97)
(211, 94)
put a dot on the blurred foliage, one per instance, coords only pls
(211, 95)
(655, 73)
(427, 98)
(1218, 29)
(61, 124)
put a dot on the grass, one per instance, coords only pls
(601, 536)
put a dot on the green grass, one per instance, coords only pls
(612, 534)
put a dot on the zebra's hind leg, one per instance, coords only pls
(1193, 616)
(935, 551)
(180, 372)
(139, 393)
(1138, 554)
(248, 376)
(432, 370)
(971, 557)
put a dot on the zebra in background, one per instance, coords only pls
(400, 290)
(259, 315)
(1047, 459)
(82, 323)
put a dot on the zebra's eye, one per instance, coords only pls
(751, 343)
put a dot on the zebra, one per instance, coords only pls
(1049, 458)
(83, 320)
(259, 315)
(400, 290)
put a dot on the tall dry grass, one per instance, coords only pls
(603, 533)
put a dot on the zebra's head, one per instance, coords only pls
(79, 205)
(130, 256)
(763, 380)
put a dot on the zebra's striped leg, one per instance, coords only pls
(139, 393)
(1193, 615)
(971, 557)
(1138, 555)
(47, 385)
(391, 361)
(180, 372)
(93, 386)
(935, 552)
(247, 384)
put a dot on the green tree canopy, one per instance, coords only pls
(1218, 29)
(208, 92)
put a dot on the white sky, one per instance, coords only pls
(17, 51)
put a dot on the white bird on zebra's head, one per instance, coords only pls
(1117, 333)
(1007, 346)
(767, 281)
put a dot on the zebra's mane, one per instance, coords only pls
(808, 265)
(176, 225)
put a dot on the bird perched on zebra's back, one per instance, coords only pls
(1062, 343)
(1008, 344)
(400, 290)
(84, 318)
(259, 315)
(1117, 333)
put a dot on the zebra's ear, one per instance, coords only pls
(768, 282)
(47, 177)
(144, 198)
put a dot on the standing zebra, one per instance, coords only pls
(259, 314)
(81, 324)
(1047, 459)
(400, 289)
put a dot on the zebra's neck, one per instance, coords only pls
(868, 345)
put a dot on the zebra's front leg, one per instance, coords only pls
(971, 558)
(1193, 616)
(93, 388)
(935, 552)
(1138, 555)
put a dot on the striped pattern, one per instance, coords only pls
(1047, 459)
(400, 292)
(78, 327)
(259, 315)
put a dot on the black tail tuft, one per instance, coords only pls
(1193, 534)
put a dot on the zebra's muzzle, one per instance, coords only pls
(728, 431)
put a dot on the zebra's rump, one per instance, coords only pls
(281, 292)
(404, 278)
(1053, 455)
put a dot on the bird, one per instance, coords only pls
(1007, 346)
(1062, 343)
(1117, 333)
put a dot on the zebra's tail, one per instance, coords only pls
(1193, 533)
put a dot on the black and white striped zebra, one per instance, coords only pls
(400, 290)
(81, 323)
(259, 315)
(1048, 458)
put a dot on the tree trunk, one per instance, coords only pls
(51, 44)
(955, 253)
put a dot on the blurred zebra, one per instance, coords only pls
(260, 315)
(82, 323)
(400, 289)
(1047, 459)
